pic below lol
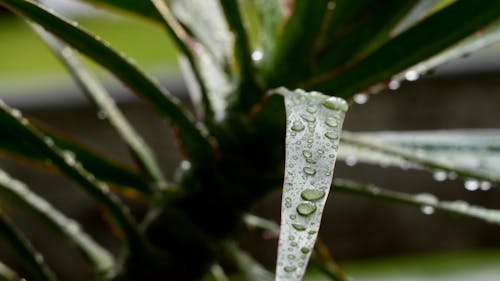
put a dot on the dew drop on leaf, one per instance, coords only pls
(306, 209)
(309, 171)
(312, 194)
(299, 227)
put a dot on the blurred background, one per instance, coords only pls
(373, 240)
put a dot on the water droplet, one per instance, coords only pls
(440, 175)
(289, 269)
(297, 127)
(471, 185)
(331, 122)
(351, 160)
(288, 204)
(305, 250)
(101, 114)
(291, 257)
(69, 157)
(309, 171)
(16, 113)
(311, 232)
(331, 135)
(308, 117)
(412, 75)
(299, 227)
(427, 210)
(294, 244)
(312, 194)
(306, 209)
(310, 161)
(336, 103)
(307, 153)
(257, 55)
(394, 84)
(321, 151)
(292, 217)
(361, 98)
(312, 109)
(485, 185)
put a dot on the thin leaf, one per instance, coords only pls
(367, 30)
(431, 36)
(33, 260)
(469, 154)
(193, 137)
(139, 8)
(251, 269)
(106, 105)
(218, 273)
(427, 202)
(19, 127)
(7, 274)
(270, 14)
(314, 123)
(258, 222)
(18, 192)
(249, 92)
(291, 58)
(103, 168)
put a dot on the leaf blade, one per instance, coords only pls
(310, 159)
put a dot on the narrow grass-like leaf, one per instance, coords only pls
(140, 8)
(193, 137)
(218, 274)
(251, 269)
(19, 193)
(270, 14)
(258, 222)
(20, 127)
(128, 180)
(106, 106)
(468, 154)
(427, 202)
(473, 43)
(7, 274)
(291, 58)
(32, 259)
(429, 37)
(313, 129)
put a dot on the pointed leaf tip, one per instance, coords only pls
(314, 123)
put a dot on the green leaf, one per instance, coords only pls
(136, 7)
(29, 256)
(429, 37)
(314, 123)
(270, 15)
(106, 105)
(19, 193)
(470, 154)
(7, 274)
(291, 58)
(192, 136)
(428, 203)
(251, 269)
(102, 167)
(20, 128)
(368, 30)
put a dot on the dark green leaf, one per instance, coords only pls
(33, 260)
(431, 36)
(193, 138)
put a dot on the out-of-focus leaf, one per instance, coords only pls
(106, 106)
(291, 57)
(429, 37)
(29, 256)
(270, 15)
(313, 129)
(19, 127)
(18, 192)
(428, 203)
(251, 269)
(368, 30)
(141, 8)
(7, 274)
(423, 9)
(102, 167)
(470, 154)
(193, 138)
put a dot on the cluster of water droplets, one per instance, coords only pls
(314, 123)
